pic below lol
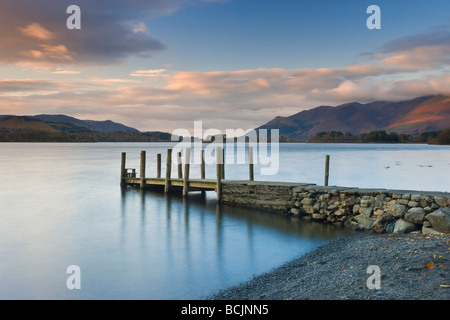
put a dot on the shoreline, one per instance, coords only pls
(412, 266)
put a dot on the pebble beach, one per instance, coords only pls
(411, 266)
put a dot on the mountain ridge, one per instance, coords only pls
(413, 117)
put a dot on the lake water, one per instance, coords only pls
(61, 205)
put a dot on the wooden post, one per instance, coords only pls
(202, 169)
(250, 164)
(187, 163)
(168, 170)
(219, 161)
(142, 173)
(179, 165)
(223, 163)
(158, 165)
(122, 169)
(327, 169)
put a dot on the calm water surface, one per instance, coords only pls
(61, 205)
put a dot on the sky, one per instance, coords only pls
(160, 65)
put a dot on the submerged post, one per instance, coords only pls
(142, 172)
(187, 162)
(327, 169)
(168, 170)
(179, 165)
(250, 164)
(202, 169)
(158, 165)
(219, 161)
(122, 169)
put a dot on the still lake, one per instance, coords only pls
(61, 205)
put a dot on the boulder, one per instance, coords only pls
(441, 201)
(429, 230)
(403, 226)
(415, 215)
(363, 221)
(397, 210)
(440, 219)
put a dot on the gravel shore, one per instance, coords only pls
(412, 267)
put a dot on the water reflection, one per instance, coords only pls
(194, 246)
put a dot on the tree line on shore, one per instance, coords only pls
(63, 136)
(381, 136)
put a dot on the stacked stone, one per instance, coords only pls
(377, 211)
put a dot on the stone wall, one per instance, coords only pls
(378, 210)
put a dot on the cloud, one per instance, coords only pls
(403, 69)
(422, 51)
(147, 73)
(35, 32)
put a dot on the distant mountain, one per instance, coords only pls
(62, 128)
(97, 126)
(422, 114)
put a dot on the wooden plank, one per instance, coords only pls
(142, 171)
(327, 169)
(158, 165)
(122, 168)
(219, 161)
(179, 166)
(168, 170)
(202, 169)
(250, 164)
(187, 163)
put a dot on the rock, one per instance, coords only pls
(363, 221)
(403, 226)
(353, 225)
(415, 215)
(308, 209)
(308, 201)
(440, 201)
(356, 209)
(365, 202)
(397, 210)
(378, 226)
(378, 212)
(428, 230)
(406, 196)
(295, 211)
(415, 197)
(440, 219)
(413, 204)
(382, 223)
(318, 216)
(403, 201)
(366, 211)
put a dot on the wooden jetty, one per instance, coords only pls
(183, 182)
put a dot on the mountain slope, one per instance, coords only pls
(422, 114)
(98, 126)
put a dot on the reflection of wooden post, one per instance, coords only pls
(202, 171)
(180, 170)
(327, 169)
(219, 155)
(142, 173)
(122, 169)
(168, 170)
(187, 163)
(250, 164)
